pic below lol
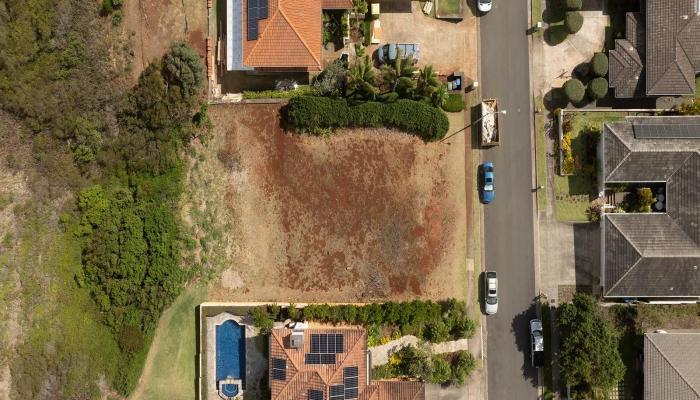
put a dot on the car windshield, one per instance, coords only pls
(485, 1)
(491, 300)
(488, 187)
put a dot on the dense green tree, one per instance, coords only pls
(572, 5)
(574, 90)
(362, 81)
(599, 64)
(183, 67)
(398, 76)
(597, 88)
(588, 354)
(573, 21)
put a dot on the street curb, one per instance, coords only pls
(534, 183)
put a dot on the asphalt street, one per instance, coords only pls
(508, 221)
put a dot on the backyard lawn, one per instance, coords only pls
(448, 7)
(573, 193)
(170, 368)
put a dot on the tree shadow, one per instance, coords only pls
(587, 256)
(555, 34)
(520, 328)
(554, 99)
(553, 12)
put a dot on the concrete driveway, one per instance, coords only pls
(448, 46)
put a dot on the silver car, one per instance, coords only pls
(536, 343)
(490, 292)
(484, 5)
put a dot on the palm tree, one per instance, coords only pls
(440, 95)
(399, 76)
(362, 81)
(428, 83)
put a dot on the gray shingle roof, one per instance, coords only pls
(672, 366)
(661, 53)
(653, 254)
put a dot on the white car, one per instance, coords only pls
(484, 5)
(536, 343)
(490, 292)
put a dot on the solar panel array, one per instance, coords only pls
(257, 10)
(320, 359)
(350, 381)
(666, 131)
(327, 343)
(337, 392)
(279, 369)
(315, 394)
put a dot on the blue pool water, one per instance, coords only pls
(230, 351)
(229, 390)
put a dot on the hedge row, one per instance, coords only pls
(435, 322)
(279, 94)
(318, 114)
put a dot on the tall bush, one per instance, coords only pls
(573, 5)
(574, 90)
(316, 114)
(573, 21)
(599, 64)
(597, 88)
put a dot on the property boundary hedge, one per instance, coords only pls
(318, 114)
(279, 94)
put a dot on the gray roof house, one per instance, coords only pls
(653, 255)
(672, 365)
(661, 52)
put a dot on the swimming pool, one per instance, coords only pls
(230, 351)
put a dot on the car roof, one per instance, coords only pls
(539, 342)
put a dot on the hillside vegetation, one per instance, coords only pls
(97, 246)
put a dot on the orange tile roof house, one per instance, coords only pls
(276, 35)
(329, 364)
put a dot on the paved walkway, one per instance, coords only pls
(380, 354)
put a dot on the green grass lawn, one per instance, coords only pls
(537, 16)
(448, 7)
(541, 153)
(571, 193)
(170, 374)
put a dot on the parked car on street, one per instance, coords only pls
(389, 52)
(490, 292)
(484, 5)
(487, 183)
(536, 343)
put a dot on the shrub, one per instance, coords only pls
(556, 34)
(316, 114)
(280, 94)
(130, 339)
(183, 67)
(329, 82)
(262, 320)
(463, 363)
(574, 90)
(437, 331)
(599, 64)
(573, 21)
(597, 88)
(454, 103)
(442, 371)
(415, 362)
(294, 313)
(573, 5)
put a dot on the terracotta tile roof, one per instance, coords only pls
(337, 4)
(393, 390)
(301, 377)
(291, 35)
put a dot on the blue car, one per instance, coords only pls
(487, 188)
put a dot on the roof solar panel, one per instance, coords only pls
(315, 394)
(666, 131)
(252, 23)
(337, 392)
(262, 9)
(313, 359)
(324, 343)
(339, 343)
(315, 343)
(279, 374)
(327, 359)
(350, 372)
(351, 393)
(279, 363)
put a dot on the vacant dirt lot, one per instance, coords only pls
(365, 214)
(153, 25)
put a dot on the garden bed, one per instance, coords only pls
(449, 9)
